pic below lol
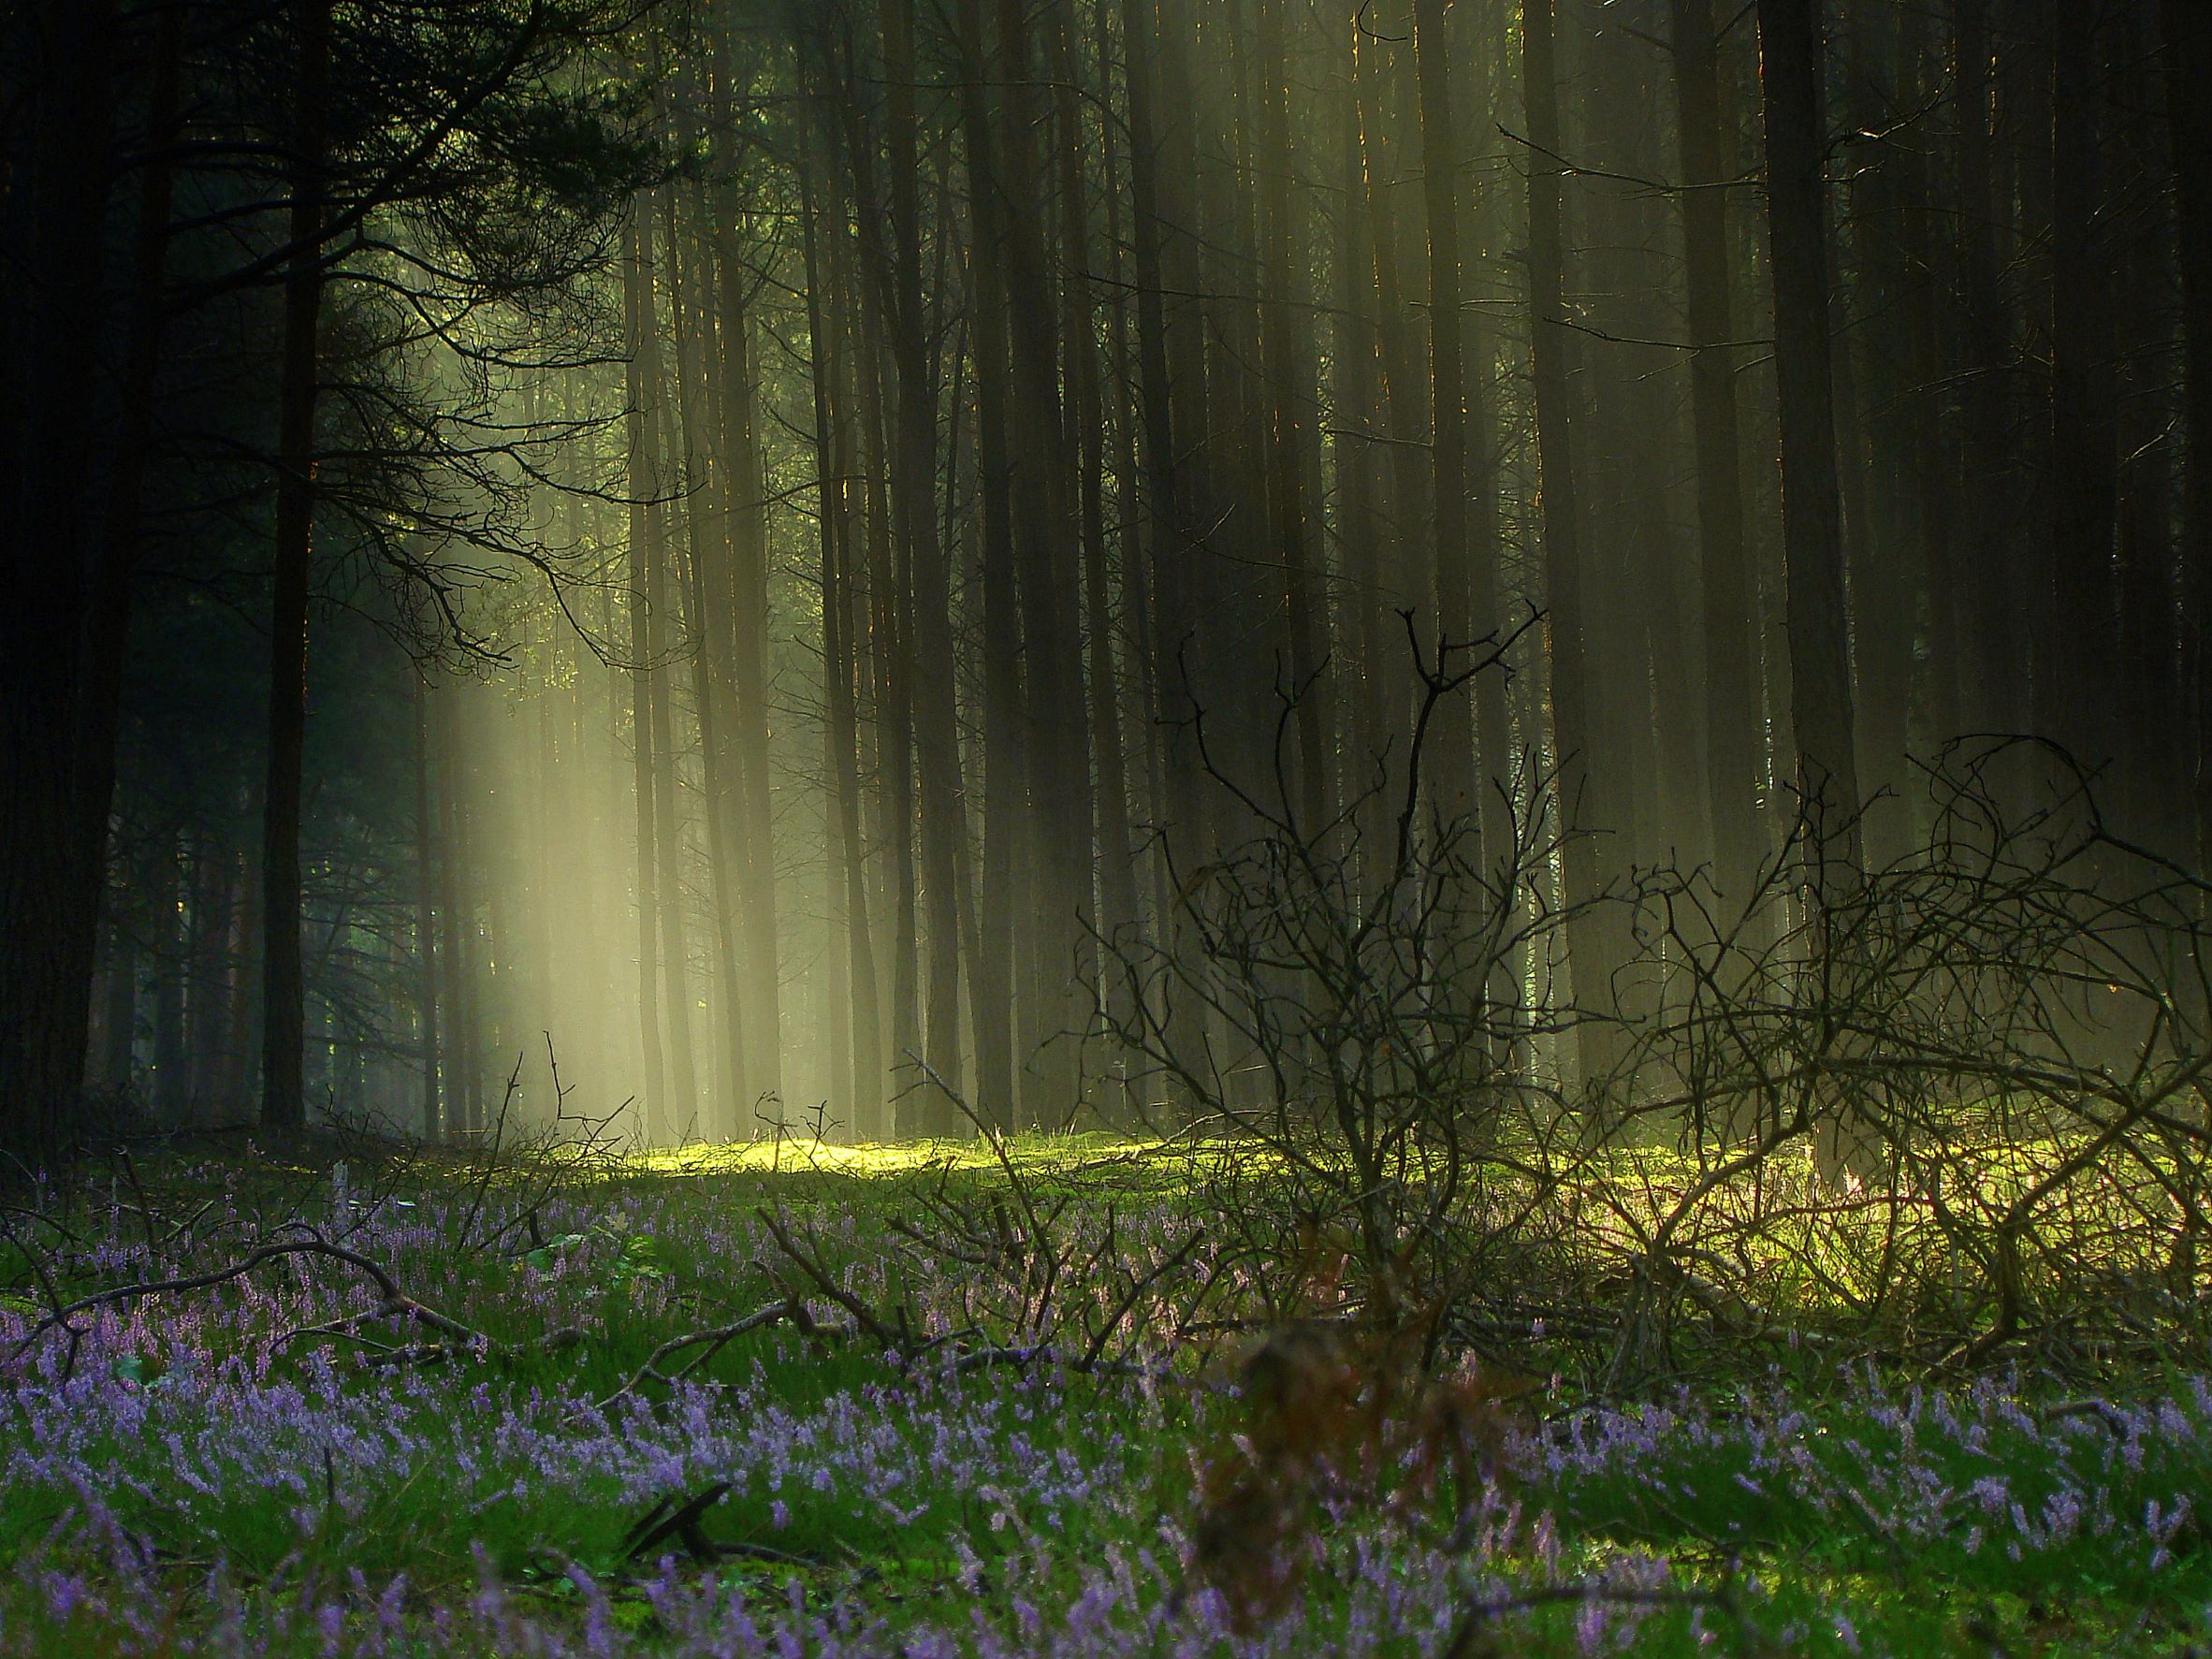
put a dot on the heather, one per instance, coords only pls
(288, 1462)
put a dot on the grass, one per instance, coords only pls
(195, 1485)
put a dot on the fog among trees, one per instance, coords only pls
(763, 567)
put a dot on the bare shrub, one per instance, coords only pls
(1938, 1113)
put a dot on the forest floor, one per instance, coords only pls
(425, 1409)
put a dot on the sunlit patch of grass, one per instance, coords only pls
(799, 1153)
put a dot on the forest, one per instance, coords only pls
(1253, 815)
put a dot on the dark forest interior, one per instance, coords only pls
(1089, 829)
(765, 554)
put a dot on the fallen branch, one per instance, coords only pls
(1466, 1635)
(788, 1309)
(394, 1303)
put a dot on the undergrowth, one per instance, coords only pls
(1059, 1417)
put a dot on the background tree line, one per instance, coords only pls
(760, 539)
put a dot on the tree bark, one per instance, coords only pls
(1735, 755)
(283, 1035)
(426, 953)
(943, 811)
(642, 487)
(1812, 548)
(707, 594)
(2081, 633)
(2186, 36)
(1453, 766)
(1007, 791)
(1594, 953)
(660, 622)
(1281, 361)
(836, 464)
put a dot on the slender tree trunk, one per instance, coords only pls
(706, 602)
(1403, 392)
(642, 487)
(2186, 36)
(1357, 393)
(944, 815)
(170, 1085)
(1820, 660)
(835, 464)
(1182, 813)
(2081, 623)
(207, 1010)
(1007, 755)
(1049, 565)
(425, 952)
(283, 1034)
(746, 480)
(1452, 765)
(892, 659)
(661, 620)
(1280, 362)
(1734, 758)
(1118, 873)
(1593, 949)
(1991, 699)
(463, 1077)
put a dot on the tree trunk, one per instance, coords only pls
(707, 603)
(745, 482)
(283, 1034)
(944, 812)
(1991, 698)
(1812, 548)
(1735, 754)
(2080, 612)
(1452, 765)
(836, 464)
(1117, 871)
(1049, 566)
(1007, 755)
(1281, 361)
(642, 487)
(2186, 36)
(661, 620)
(1594, 951)
(425, 951)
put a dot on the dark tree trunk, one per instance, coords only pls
(1990, 693)
(929, 653)
(1007, 755)
(745, 484)
(1282, 360)
(1452, 765)
(1595, 952)
(2185, 35)
(426, 930)
(837, 463)
(171, 1075)
(660, 637)
(1812, 548)
(643, 486)
(1117, 874)
(708, 593)
(1048, 554)
(283, 990)
(2081, 620)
